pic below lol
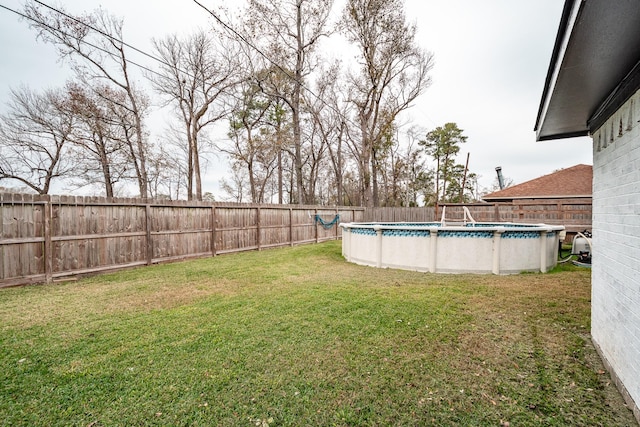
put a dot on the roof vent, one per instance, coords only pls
(500, 178)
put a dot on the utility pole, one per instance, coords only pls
(464, 179)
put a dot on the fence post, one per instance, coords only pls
(258, 226)
(291, 226)
(315, 222)
(48, 252)
(213, 230)
(147, 211)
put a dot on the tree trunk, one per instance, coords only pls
(106, 171)
(297, 139)
(196, 163)
(374, 179)
(340, 200)
(280, 181)
(189, 163)
(140, 162)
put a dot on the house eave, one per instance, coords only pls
(553, 136)
(587, 65)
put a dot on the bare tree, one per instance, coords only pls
(99, 149)
(198, 74)
(406, 181)
(235, 185)
(167, 174)
(420, 178)
(314, 154)
(93, 44)
(330, 113)
(287, 33)
(251, 144)
(273, 82)
(34, 139)
(393, 72)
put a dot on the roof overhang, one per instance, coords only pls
(593, 67)
(552, 197)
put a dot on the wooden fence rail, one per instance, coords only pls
(44, 238)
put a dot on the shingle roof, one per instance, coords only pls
(564, 183)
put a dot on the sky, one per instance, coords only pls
(491, 60)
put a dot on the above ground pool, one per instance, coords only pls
(445, 247)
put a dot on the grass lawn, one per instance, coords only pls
(297, 337)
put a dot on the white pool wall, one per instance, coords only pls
(498, 248)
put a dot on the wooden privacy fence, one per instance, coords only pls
(573, 214)
(43, 238)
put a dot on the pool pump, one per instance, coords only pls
(582, 247)
(580, 250)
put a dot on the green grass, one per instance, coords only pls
(297, 337)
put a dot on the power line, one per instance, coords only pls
(265, 56)
(104, 34)
(244, 39)
(97, 30)
(44, 24)
(272, 62)
(155, 58)
(111, 38)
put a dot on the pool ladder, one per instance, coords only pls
(467, 217)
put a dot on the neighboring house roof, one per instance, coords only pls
(594, 67)
(565, 183)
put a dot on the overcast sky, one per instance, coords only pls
(491, 59)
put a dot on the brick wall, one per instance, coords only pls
(615, 322)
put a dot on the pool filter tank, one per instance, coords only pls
(582, 248)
